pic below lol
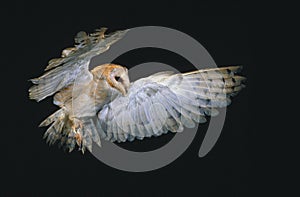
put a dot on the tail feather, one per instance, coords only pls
(53, 117)
(55, 130)
(60, 130)
(90, 133)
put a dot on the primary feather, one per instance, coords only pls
(167, 102)
(74, 63)
(103, 104)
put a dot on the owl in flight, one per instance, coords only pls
(102, 103)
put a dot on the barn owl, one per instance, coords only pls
(102, 104)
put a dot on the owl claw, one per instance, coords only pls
(76, 128)
(78, 139)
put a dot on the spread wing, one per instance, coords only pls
(167, 102)
(73, 63)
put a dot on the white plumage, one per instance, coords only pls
(103, 104)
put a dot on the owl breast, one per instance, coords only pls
(92, 99)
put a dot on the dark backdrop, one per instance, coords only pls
(36, 32)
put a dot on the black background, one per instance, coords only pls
(36, 32)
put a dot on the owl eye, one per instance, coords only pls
(117, 78)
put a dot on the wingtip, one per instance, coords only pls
(31, 95)
(240, 67)
(47, 68)
(237, 66)
(34, 80)
(234, 68)
(42, 124)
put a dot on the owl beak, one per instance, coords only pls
(126, 85)
(125, 91)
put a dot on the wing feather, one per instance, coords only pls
(73, 64)
(166, 102)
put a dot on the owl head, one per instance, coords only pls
(115, 75)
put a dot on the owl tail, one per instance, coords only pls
(70, 131)
(58, 131)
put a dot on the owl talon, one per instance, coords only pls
(76, 127)
(76, 124)
(78, 139)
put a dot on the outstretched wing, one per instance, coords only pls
(166, 102)
(73, 63)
